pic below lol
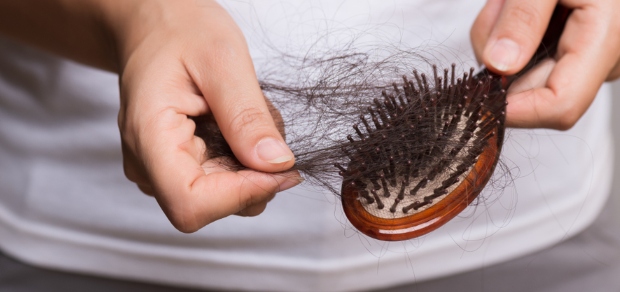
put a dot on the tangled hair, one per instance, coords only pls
(321, 104)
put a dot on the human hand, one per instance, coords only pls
(557, 92)
(188, 58)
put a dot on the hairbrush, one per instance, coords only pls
(429, 174)
(413, 155)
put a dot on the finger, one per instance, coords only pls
(585, 50)
(483, 26)
(195, 147)
(535, 78)
(517, 34)
(255, 209)
(197, 195)
(249, 189)
(614, 74)
(164, 78)
(230, 86)
(146, 189)
(132, 168)
(191, 195)
(174, 91)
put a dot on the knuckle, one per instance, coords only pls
(131, 168)
(130, 172)
(478, 41)
(566, 120)
(183, 214)
(614, 74)
(523, 20)
(227, 48)
(247, 118)
(124, 129)
(253, 210)
(245, 202)
(186, 228)
(146, 189)
(184, 223)
(270, 197)
(257, 210)
(525, 15)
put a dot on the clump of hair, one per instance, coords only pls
(358, 111)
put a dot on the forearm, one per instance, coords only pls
(82, 30)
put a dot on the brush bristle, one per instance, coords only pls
(448, 126)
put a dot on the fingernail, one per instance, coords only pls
(504, 54)
(289, 183)
(273, 151)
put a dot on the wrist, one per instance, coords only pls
(124, 22)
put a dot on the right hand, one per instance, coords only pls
(557, 92)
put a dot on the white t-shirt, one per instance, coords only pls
(65, 203)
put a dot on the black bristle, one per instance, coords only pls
(386, 191)
(425, 83)
(416, 205)
(401, 193)
(447, 128)
(445, 79)
(357, 130)
(364, 194)
(435, 80)
(366, 125)
(396, 202)
(377, 199)
(419, 186)
(419, 81)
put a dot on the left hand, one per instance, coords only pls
(556, 93)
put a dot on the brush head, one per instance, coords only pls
(412, 181)
(420, 179)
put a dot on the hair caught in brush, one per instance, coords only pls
(332, 99)
(401, 138)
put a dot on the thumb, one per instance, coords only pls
(517, 33)
(234, 97)
(483, 26)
